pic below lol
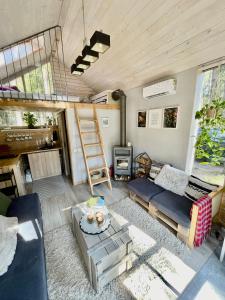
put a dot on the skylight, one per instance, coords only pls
(20, 51)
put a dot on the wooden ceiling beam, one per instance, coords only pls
(57, 106)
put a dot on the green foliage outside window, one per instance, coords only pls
(210, 145)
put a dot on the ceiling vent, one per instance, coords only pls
(166, 87)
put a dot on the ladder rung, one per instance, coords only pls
(84, 132)
(88, 120)
(97, 169)
(100, 180)
(91, 144)
(95, 155)
(6, 176)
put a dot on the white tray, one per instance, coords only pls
(94, 228)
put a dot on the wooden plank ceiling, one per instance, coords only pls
(149, 38)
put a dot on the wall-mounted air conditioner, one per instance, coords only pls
(103, 97)
(166, 87)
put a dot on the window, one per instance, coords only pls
(213, 85)
(15, 118)
(39, 80)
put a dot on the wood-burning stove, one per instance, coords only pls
(122, 155)
(122, 163)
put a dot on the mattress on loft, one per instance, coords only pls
(36, 96)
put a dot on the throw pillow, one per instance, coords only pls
(172, 179)
(156, 167)
(8, 242)
(5, 201)
(197, 188)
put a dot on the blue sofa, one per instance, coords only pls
(171, 208)
(26, 277)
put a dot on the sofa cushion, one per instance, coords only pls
(174, 206)
(5, 201)
(197, 188)
(156, 167)
(144, 188)
(172, 179)
(26, 276)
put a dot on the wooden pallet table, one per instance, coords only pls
(106, 255)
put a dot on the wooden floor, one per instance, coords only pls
(58, 195)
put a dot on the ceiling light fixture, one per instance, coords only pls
(100, 42)
(76, 71)
(89, 55)
(82, 63)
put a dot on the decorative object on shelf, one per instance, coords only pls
(142, 165)
(99, 43)
(29, 119)
(96, 174)
(105, 122)
(170, 117)
(142, 118)
(209, 147)
(155, 118)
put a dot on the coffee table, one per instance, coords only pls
(106, 255)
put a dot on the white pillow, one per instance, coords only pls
(172, 179)
(8, 242)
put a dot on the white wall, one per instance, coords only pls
(110, 137)
(166, 145)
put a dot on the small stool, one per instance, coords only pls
(222, 251)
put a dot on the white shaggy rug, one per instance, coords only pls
(162, 264)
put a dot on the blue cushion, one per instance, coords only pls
(144, 188)
(174, 206)
(26, 276)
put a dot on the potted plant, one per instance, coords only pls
(29, 119)
(210, 147)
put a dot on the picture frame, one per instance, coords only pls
(155, 118)
(170, 117)
(105, 122)
(142, 119)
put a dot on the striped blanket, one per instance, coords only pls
(204, 219)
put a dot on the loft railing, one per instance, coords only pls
(34, 68)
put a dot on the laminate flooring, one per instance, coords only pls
(58, 195)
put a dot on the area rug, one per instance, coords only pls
(162, 265)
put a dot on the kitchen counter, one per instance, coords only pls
(14, 160)
(4, 162)
(44, 161)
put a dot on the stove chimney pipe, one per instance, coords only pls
(120, 95)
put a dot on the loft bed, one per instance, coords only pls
(36, 96)
(34, 68)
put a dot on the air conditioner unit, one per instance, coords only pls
(103, 97)
(166, 87)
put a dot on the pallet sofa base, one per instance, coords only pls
(181, 232)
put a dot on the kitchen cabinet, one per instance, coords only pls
(44, 164)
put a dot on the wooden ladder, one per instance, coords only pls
(87, 157)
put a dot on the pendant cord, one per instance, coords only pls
(84, 41)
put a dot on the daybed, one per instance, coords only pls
(169, 207)
(26, 276)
